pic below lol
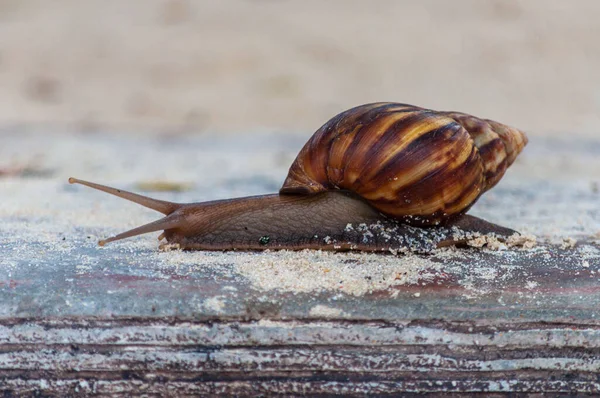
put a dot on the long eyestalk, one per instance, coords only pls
(172, 219)
(162, 206)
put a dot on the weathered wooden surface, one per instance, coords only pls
(316, 356)
(79, 319)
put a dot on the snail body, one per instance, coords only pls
(376, 177)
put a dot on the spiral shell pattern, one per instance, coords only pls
(414, 164)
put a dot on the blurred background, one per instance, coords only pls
(179, 67)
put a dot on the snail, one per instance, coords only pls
(377, 177)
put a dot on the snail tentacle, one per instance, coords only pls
(161, 206)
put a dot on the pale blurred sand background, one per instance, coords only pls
(245, 66)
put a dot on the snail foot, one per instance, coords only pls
(466, 228)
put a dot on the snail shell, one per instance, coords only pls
(418, 165)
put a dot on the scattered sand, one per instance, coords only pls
(568, 243)
(354, 273)
(214, 304)
(492, 242)
(325, 311)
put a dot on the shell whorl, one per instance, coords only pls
(411, 163)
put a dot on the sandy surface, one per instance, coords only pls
(131, 93)
(244, 66)
(550, 194)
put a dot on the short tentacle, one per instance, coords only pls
(169, 222)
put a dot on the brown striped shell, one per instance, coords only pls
(414, 164)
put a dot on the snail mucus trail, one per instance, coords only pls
(377, 177)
